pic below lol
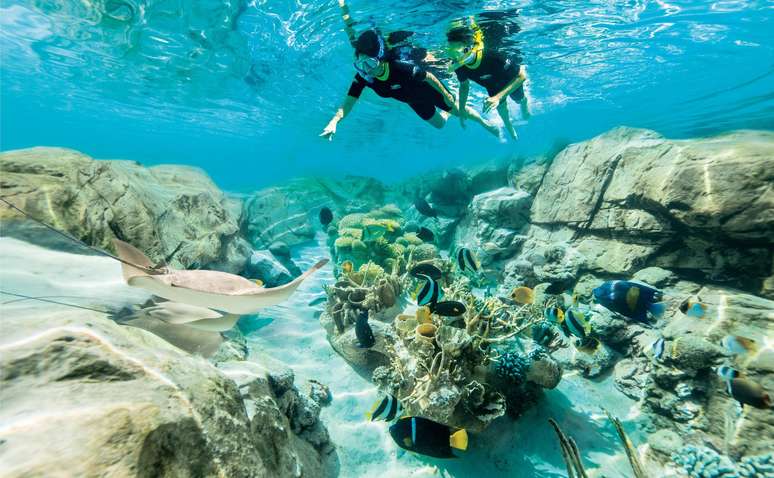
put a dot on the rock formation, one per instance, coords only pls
(172, 213)
(83, 394)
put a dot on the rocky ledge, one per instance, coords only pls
(83, 396)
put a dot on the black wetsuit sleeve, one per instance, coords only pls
(462, 74)
(411, 71)
(356, 88)
(399, 36)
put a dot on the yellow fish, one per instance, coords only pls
(523, 295)
(346, 267)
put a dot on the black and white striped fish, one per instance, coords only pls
(466, 260)
(658, 348)
(430, 293)
(387, 409)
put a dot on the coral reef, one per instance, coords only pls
(463, 371)
(703, 462)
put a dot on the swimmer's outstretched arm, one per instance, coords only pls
(348, 21)
(494, 101)
(436, 83)
(341, 113)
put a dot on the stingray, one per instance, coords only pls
(200, 318)
(215, 290)
(193, 341)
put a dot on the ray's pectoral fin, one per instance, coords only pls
(131, 257)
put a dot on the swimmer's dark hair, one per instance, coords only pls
(460, 35)
(368, 43)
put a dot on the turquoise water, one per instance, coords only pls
(243, 88)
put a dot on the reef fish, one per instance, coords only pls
(427, 269)
(363, 332)
(425, 208)
(430, 293)
(554, 315)
(736, 344)
(449, 308)
(693, 308)
(747, 392)
(658, 348)
(372, 232)
(727, 373)
(575, 323)
(523, 295)
(385, 409)
(346, 267)
(427, 437)
(326, 216)
(630, 299)
(426, 234)
(466, 260)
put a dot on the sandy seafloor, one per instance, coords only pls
(291, 333)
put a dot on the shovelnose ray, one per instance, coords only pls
(211, 289)
(201, 318)
(193, 341)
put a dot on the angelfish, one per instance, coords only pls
(630, 299)
(426, 437)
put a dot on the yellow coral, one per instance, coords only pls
(352, 221)
(359, 246)
(351, 232)
(390, 211)
(342, 243)
(411, 238)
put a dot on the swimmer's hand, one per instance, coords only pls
(329, 131)
(491, 103)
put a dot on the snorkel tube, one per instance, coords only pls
(371, 44)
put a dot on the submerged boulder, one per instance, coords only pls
(172, 213)
(630, 199)
(97, 399)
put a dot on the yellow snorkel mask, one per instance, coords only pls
(468, 41)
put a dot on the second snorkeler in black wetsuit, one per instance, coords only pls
(501, 76)
(391, 77)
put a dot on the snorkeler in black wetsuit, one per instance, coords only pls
(389, 76)
(500, 75)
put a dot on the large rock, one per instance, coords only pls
(172, 213)
(631, 199)
(83, 394)
(494, 223)
(264, 266)
(289, 213)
